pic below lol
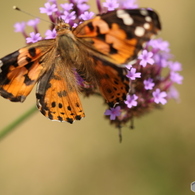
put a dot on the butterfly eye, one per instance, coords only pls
(63, 26)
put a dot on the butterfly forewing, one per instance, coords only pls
(119, 35)
(21, 69)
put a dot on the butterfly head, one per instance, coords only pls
(61, 25)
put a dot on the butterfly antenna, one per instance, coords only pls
(18, 9)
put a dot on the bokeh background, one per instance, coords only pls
(41, 157)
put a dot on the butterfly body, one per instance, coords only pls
(95, 52)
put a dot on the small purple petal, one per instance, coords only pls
(129, 4)
(148, 84)
(87, 15)
(173, 94)
(131, 74)
(159, 44)
(159, 97)
(128, 66)
(33, 22)
(175, 66)
(67, 17)
(111, 4)
(67, 6)
(113, 112)
(48, 9)
(161, 59)
(176, 77)
(83, 7)
(131, 100)
(146, 58)
(34, 37)
(74, 25)
(50, 34)
(19, 26)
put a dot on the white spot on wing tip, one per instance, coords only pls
(146, 25)
(144, 12)
(127, 19)
(1, 64)
(148, 18)
(139, 31)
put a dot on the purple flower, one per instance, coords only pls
(34, 22)
(67, 17)
(159, 44)
(159, 97)
(176, 77)
(53, 1)
(19, 26)
(67, 6)
(128, 66)
(34, 37)
(129, 4)
(173, 94)
(131, 100)
(161, 59)
(83, 7)
(113, 112)
(74, 25)
(175, 66)
(48, 9)
(131, 74)
(79, 1)
(148, 84)
(87, 15)
(50, 34)
(111, 4)
(146, 58)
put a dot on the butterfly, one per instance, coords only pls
(95, 51)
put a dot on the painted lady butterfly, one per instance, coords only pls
(95, 51)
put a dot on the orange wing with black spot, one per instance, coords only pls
(20, 70)
(118, 36)
(115, 38)
(57, 97)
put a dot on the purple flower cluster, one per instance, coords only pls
(150, 87)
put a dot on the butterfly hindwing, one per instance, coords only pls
(56, 99)
(113, 83)
(119, 35)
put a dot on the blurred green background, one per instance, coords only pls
(45, 158)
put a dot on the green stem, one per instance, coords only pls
(9, 128)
